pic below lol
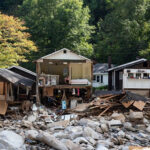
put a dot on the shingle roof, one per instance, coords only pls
(15, 78)
(100, 68)
(128, 64)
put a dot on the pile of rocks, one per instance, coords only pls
(43, 129)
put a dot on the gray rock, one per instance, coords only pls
(31, 118)
(121, 134)
(114, 123)
(118, 116)
(135, 115)
(31, 134)
(9, 140)
(148, 129)
(73, 129)
(88, 132)
(75, 135)
(104, 127)
(61, 135)
(145, 121)
(91, 140)
(101, 147)
(90, 147)
(70, 145)
(80, 140)
(128, 126)
(26, 123)
(88, 122)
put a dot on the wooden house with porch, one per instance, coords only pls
(63, 73)
(133, 76)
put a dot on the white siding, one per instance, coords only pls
(133, 83)
(99, 84)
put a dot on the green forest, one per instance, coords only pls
(96, 29)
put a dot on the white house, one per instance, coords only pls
(100, 75)
(133, 76)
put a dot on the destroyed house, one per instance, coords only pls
(63, 73)
(133, 76)
(13, 87)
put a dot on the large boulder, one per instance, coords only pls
(9, 140)
(88, 132)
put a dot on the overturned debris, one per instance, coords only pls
(115, 101)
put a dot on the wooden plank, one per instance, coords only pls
(3, 107)
(139, 104)
(105, 110)
(127, 104)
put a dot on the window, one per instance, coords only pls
(120, 75)
(101, 78)
(130, 75)
(145, 76)
(145, 64)
(97, 78)
(94, 77)
(138, 75)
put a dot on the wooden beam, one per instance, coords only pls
(65, 60)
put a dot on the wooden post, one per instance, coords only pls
(18, 92)
(37, 82)
(5, 91)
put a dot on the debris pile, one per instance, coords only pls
(114, 101)
(43, 129)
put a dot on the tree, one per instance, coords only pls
(14, 43)
(124, 32)
(55, 24)
(10, 6)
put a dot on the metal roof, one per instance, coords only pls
(23, 69)
(15, 78)
(128, 64)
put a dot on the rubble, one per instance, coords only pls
(118, 128)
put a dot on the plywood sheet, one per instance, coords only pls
(50, 91)
(127, 104)
(3, 107)
(139, 104)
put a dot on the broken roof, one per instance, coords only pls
(15, 78)
(63, 55)
(23, 69)
(128, 64)
(101, 68)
